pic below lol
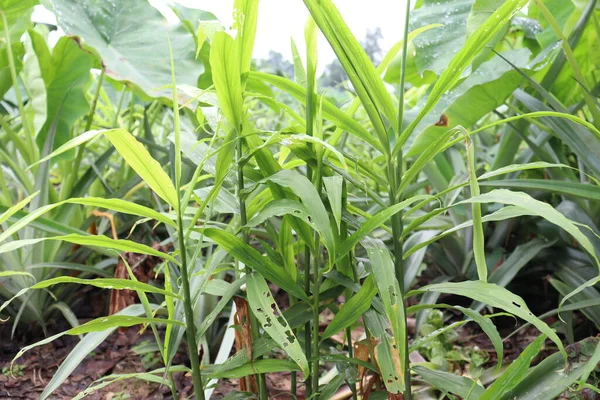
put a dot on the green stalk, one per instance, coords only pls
(589, 100)
(81, 149)
(316, 289)
(307, 336)
(190, 333)
(32, 154)
(394, 173)
(262, 386)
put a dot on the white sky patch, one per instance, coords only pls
(281, 20)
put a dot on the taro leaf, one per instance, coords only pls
(435, 48)
(561, 11)
(18, 18)
(65, 74)
(481, 92)
(550, 378)
(274, 323)
(130, 37)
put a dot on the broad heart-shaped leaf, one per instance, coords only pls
(274, 323)
(461, 61)
(65, 75)
(131, 39)
(435, 49)
(225, 65)
(481, 92)
(18, 18)
(495, 296)
(253, 259)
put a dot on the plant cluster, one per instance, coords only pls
(245, 208)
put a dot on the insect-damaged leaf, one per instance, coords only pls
(268, 314)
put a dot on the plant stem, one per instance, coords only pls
(189, 313)
(395, 177)
(67, 190)
(190, 327)
(262, 386)
(307, 338)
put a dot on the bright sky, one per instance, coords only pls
(280, 20)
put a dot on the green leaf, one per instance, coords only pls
(18, 17)
(583, 142)
(278, 208)
(136, 156)
(478, 237)
(116, 321)
(459, 63)
(225, 65)
(273, 322)
(375, 221)
(265, 366)
(79, 352)
(514, 373)
(490, 330)
(434, 49)
(451, 383)
(565, 188)
(383, 271)
(92, 240)
(551, 377)
(65, 74)
(17, 207)
(538, 208)
(304, 189)
(334, 188)
(360, 70)
(329, 110)
(246, 14)
(353, 309)
(477, 95)
(495, 296)
(134, 53)
(4, 274)
(253, 259)
(103, 283)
